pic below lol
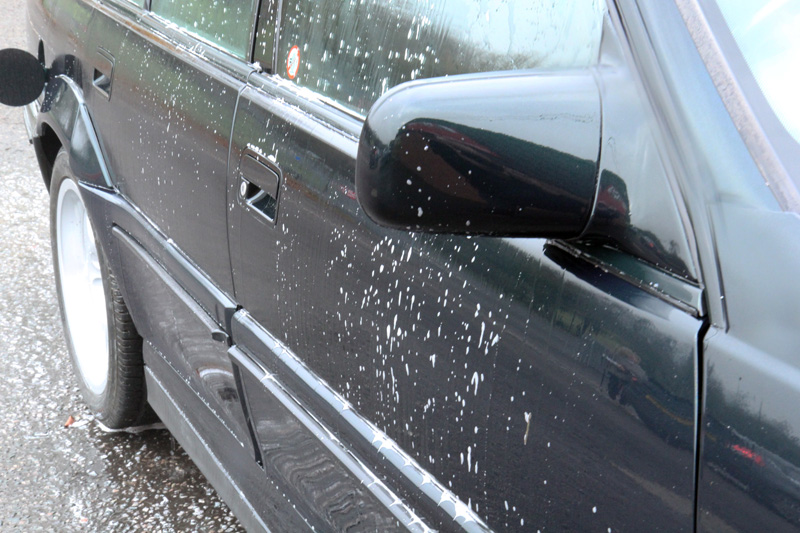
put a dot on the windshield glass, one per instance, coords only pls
(768, 35)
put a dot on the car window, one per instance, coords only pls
(766, 32)
(352, 52)
(225, 23)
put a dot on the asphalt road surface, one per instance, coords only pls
(54, 478)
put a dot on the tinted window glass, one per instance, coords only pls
(353, 51)
(226, 23)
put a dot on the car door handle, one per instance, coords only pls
(258, 186)
(103, 73)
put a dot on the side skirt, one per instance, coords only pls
(172, 398)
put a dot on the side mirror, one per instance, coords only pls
(23, 77)
(505, 154)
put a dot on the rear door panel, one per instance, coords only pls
(165, 131)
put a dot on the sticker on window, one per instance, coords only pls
(293, 62)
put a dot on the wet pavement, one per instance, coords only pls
(76, 478)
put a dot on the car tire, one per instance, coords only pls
(105, 348)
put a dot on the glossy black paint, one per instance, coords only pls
(636, 210)
(179, 102)
(201, 433)
(411, 330)
(182, 332)
(331, 490)
(497, 155)
(341, 374)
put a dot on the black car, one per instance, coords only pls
(468, 264)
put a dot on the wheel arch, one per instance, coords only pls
(65, 121)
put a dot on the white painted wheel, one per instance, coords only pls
(82, 289)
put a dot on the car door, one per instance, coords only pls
(487, 382)
(165, 81)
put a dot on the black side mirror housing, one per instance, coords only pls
(503, 154)
(23, 77)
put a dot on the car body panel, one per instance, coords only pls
(437, 381)
(419, 334)
(178, 100)
(183, 333)
(332, 489)
(750, 446)
(245, 489)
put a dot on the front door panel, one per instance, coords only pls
(539, 388)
